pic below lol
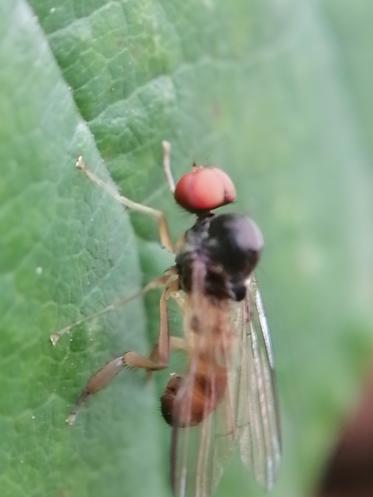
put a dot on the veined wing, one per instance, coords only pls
(198, 456)
(199, 453)
(257, 413)
(248, 413)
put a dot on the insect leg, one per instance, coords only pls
(166, 146)
(161, 281)
(159, 216)
(101, 378)
(157, 360)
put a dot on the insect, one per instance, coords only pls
(226, 399)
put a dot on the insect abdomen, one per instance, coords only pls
(188, 405)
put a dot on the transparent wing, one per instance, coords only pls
(246, 417)
(199, 453)
(195, 465)
(257, 413)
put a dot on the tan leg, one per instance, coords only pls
(107, 373)
(167, 165)
(157, 360)
(159, 216)
(167, 278)
(161, 350)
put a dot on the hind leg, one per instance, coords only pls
(157, 360)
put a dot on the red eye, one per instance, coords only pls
(204, 189)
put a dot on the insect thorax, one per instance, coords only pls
(226, 248)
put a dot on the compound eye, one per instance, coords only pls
(204, 189)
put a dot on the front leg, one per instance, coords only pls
(156, 214)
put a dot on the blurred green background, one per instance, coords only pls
(277, 92)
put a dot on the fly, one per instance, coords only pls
(227, 397)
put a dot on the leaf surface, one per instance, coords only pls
(278, 94)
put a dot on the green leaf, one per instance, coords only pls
(277, 93)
